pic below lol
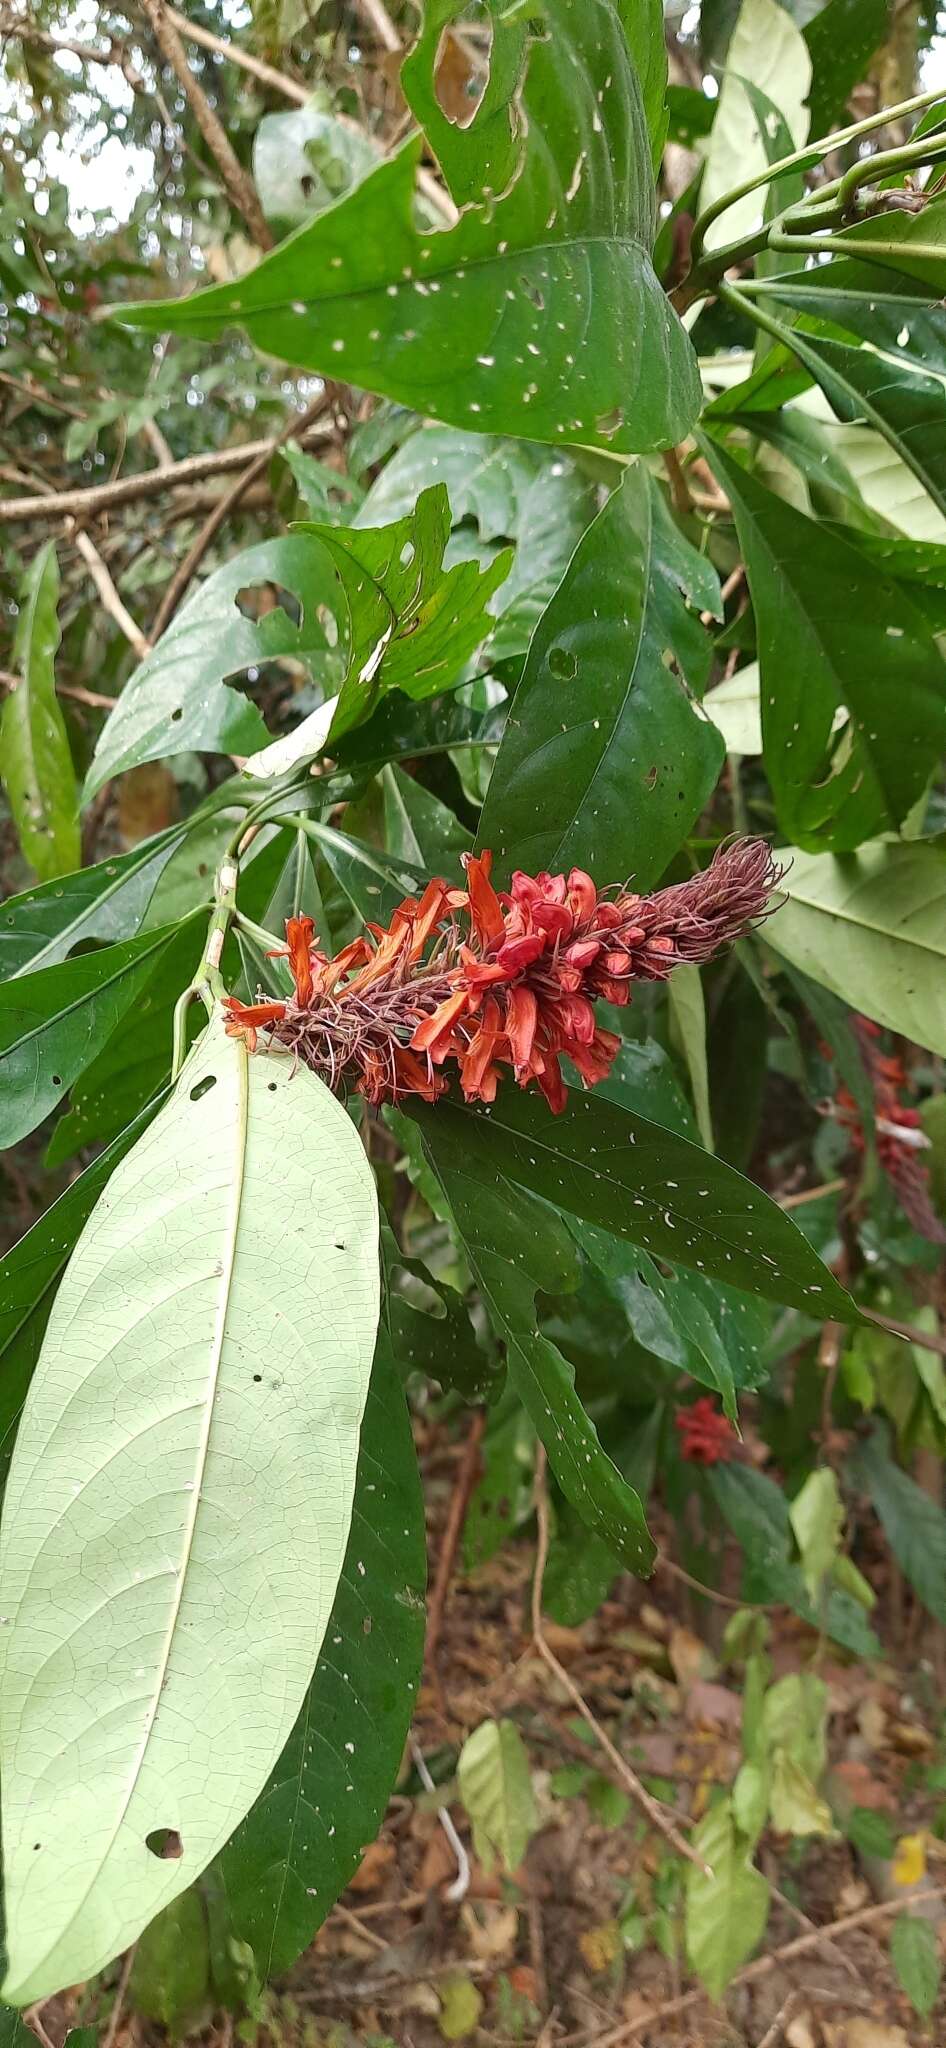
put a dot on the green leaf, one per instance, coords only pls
(106, 902)
(767, 51)
(418, 827)
(733, 706)
(871, 1833)
(495, 1785)
(301, 1842)
(911, 244)
(306, 159)
(540, 306)
(605, 763)
(750, 1799)
(914, 1953)
(53, 1023)
(170, 1974)
(914, 1525)
(835, 636)
(688, 1029)
(817, 1518)
(412, 625)
(210, 1345)
(507, 491)
(176, 699)
(580, 1571)
(515, 1247)
(30, 1272)
(34, 745)
(795, 1721)
(842, 38)
(796, 1806)
(872, 927)
(460, 2006)
(726, 1913)
(644, 1183)
(756, 1511)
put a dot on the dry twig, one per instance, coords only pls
(149, 483)
(656, 1814)
(459, 1502)
(107, 591)
(240, 186)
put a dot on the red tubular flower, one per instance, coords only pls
(706, 1438)
(898, 1130)
(513, 987)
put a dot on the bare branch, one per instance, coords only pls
(240, 186)
(107, 591)
(149, 483)
(276, 80)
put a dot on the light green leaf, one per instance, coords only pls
(817, 1518)
(304, 160)
(460, 2006)
(734, 707)
(766, 49)
(795, 1721)
(605, 761)
(541, 305)
(179, 697)
(495, 1785)
(872, 927)
(179, 1500)
(35, 760)
(750, 1799)
(726, 1913)
(688, 1028)
(796, 1806)
(914, 1953)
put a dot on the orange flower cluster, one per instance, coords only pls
(488, 981)
(706, 1438)
(898, 1128)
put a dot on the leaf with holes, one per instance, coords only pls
(179, 1502)
(35, 759)
(180, 697)
(835, 637)
(499, 491)
(605, 762)
(300, 1843)
(872, 927)
(642, 1182)
(53, 1023)
(540, 307)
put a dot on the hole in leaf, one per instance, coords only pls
(563, 664)
(407, 554)
(166, 1844)
(257, 600)
(57, 1080)
(533, 293)
(271, 1085)
(257, 1377)
(176, 715)
(202, 1087)
(609, 422)
(461, 73)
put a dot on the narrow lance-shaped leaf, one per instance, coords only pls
(300, 1843)
(835, 635)
(179, 1502)
(541, 304)
(35, 760)
(605, 762)
(44, 925)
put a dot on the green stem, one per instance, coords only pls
(267, 940)
(207, 984)
(807, 158)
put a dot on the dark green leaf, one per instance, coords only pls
(870, 1832)
(52, 1025)
(644, 1183)
(301, 1842)
(841, 38)
(604, 762)
(835, 636)
(177, 697)
(487, 323)
(418, 827)
(170, 1975)
(43, 925)
(914, 244)
(756, 1511)
(914, 1525)
(516, 1246)
(35, 759)
(374, 883)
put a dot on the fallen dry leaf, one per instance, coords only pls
(374, 1867)
(713, 1706)
(691, 1660)
(491, 1930)
(861, 2033)
(601, 1946)
(800, 2032)
(872, 1722)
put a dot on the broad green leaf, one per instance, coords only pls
(170, 1974)
(106, 902)
(580, 1570)
(796, 1805)
(517, 1246)
(304, 160)
(30, 1273)
(750, 1799)
(540, 309)
(768, 51)
(756, 1511)
(817, 1518)
(178, 698)
(688, 1030)
(495, 1785)
(795, 1720)
(642, 1182)
(506, 491)
(374, 882)
(842, 38)
(914, 1953)
(412, 624)
(726, 1913)
(735, 708)
(835, 634)
(914, 1525)
(912, 244)
(35, 760)
(300, 1843)
(872, 927)
(418, 827)
(605, 762)
(53, 1023)
(209, 1348)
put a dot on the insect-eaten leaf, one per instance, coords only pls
(179, 1502)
